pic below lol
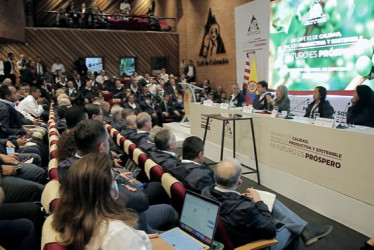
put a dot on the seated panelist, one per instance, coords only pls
(320, 104)
(362, 110)
(281, 99)
(260, 101)
(236, 98)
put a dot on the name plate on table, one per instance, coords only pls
(248, 109)
(224, 106)
(274, 113)
(208, 103)
(324, 122)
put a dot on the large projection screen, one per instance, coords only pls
(321, 43)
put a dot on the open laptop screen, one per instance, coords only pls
(199, 216)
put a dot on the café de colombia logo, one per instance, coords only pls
(315, 14)
(253, 28)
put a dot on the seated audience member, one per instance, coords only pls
(247, 218)
(236, 98)
(61, 120)
(57, 67)
(131, 128)
(117, 122)
(135, 89)
(102, 78)
(164, 154)
(131, 104)
(17, 231)
(320, 104)
(10, 121)
(21, 92)
(72, 93)
(164, 75)
(94, 111)
(150, 107)
(127, 112)
(31, 107)
(62, 83)
(171, 87)
(144, 125)
(206, 86)
(192, 171)
(46, 90)
(179, 105)
(99, 97)
(20, 184)
(90, 136)
(150, 146)
(66, 144)
(222, 99)
(119, 90)
(260, 101)
(152, 86)
(362, 110)
(105, 225)
(88, 93)
(281, 99)
(166, 110)
(106, 112)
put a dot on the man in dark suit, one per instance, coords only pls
(164, 154)
(149, 107)
(166, 109)
(74, 95)
(88, 93)
(144, 125)
(9, 68)
(237, 98)
(131, 104)
(260, 101)
(190, 72)
(192, 171)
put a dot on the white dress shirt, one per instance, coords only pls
(59, 67)
(1, 68)
(29, 107)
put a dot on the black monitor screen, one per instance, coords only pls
(95, 64)
(127, 66)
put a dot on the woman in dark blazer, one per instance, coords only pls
(362, 110)
(320, 104)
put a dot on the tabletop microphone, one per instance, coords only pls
(341, 120)
(289, 113)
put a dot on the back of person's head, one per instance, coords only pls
(131, 121)
(116, 111)
(90, 136)
(228, 173)
(61, 112)
(163, 139)
(74, 115)
(64, 102)
(88, 199)
(4, 91)
(322, 93)
(93, 110)
(365, 96)
(153, 133)
(141, 119)
(126, 112)
(192, 146)
(263, 84)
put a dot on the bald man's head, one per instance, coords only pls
(131, 121)
(228, 173)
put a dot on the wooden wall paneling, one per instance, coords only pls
(69, 44)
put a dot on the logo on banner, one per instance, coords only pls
(212, 43)
(315, 14)
(254, 29)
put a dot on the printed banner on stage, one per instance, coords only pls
(252, 45)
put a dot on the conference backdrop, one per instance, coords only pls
(315, 42)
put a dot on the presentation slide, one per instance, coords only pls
(95, 64)
(321, 43)
(127, 66)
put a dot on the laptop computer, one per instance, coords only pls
(197, 224)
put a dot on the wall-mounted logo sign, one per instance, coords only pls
(212, 43)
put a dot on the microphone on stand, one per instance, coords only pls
(345, 112)
(289, 113)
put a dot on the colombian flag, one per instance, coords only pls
(250, 78)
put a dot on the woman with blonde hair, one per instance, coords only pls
(281, 99)
(91, 213)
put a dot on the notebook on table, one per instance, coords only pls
(197, 224)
